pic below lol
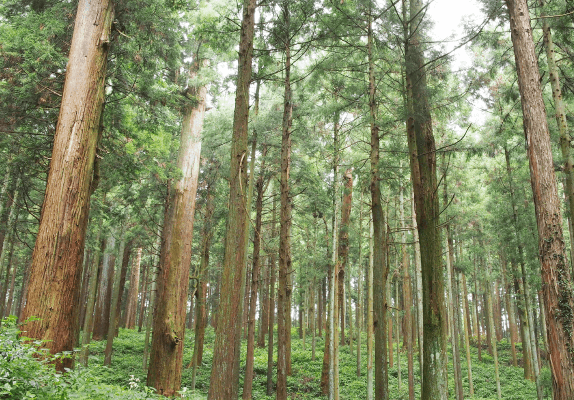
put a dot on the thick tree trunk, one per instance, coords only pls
(423, 173)
(558, 297)
(224, 382)
(55, 273)
(175, 256)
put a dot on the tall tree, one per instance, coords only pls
(423, 173)
(557, 285)
(168, 336)
(224, 382)
(55, 272)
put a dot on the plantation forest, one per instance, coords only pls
(215, 199)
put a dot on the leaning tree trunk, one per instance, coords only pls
(423, 172)
(557, 286)
(55, 274)
(168, 336)
(224, 382)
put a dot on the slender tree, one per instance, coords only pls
(224, 382)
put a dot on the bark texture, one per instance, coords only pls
(166, 353)
(556, 283)
(423, 173)
(55, 272)
(224, 382)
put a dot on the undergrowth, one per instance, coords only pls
(25, 376)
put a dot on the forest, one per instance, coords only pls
(215, 199)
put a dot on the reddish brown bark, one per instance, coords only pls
(557, 285)
(55, 273)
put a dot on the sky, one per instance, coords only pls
(448, 16)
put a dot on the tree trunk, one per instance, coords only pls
(95, 272)
(510, 310)
(255, 276)
(560, 114)
(102, 314)
(10, 301)
(115, 300)
(407, 298)
(423, 173)
(143, 294)
(203, 275)
(54, 287)
(492, 337)
(224, 382)
(132, 300)
(126, 254)
(273, 275)
(283, 303)
(380, 268)
(167, 344)
(467, 332)
(558, 297)
(370, 314)
(343, 251)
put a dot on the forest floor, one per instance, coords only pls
(305, 381)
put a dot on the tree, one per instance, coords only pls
(175, 258)
(55, 273)
(423, 174)
(557, 290)
(224, 382)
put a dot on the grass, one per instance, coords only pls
(22, 376)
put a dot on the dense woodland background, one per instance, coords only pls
(293, 269)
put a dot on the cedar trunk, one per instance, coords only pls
(55, 273)
(283, 292)
(556, 283)
(423, 172)
(166, 353)
(224, 382)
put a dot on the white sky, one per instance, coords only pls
(448, 17)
